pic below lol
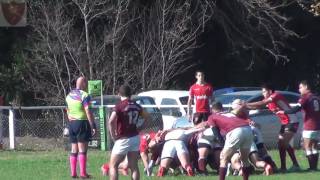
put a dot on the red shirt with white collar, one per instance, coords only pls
(201, 94)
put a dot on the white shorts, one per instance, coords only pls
(177, 134)
(173, 147)
(257, 135)
(123, 146)
(239, 138)
(311, 134)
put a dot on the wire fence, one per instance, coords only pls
(41, 128)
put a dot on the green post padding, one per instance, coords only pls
(103, 131)
(94, 87)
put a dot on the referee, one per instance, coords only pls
(81, 127)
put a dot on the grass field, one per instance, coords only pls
(45, 165)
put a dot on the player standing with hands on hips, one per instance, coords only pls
(123, 130)
(201, 94)
(81, 127)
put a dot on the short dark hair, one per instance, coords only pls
(216, 105)
(125, 91)
(268, 86)
(199, 71)
(306, 83)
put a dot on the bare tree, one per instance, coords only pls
(168, 31)
(90, 11)
(144, 43)
(255, 29)
(313, 6)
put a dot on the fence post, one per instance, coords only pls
(1, 128)
(11, 128)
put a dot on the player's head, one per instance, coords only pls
(125, 91)
(81, 83)
(199, 75)
(216, 107)
(267, 90)
(304, 87)
(239, 109)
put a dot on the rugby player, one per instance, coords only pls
(238, 137)
(201, 94)
(289, 123)
(175, 147)
(310, 104)
(123, 130)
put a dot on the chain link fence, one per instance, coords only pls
(41, 128)
(34, 128)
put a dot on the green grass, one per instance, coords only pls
(45, 165)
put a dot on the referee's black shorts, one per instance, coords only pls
(79, 131)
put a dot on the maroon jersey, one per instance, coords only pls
(311, 106)
(226, 124)
(128, 113)
(201, 95)
(279, 103)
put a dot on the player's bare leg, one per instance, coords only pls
(225, 157)
(185, 162)
(284, 146)
(244, 155)
(315, 153)
(202, 160)
(115, 160)
(236, 161)
(133, 164)
(266, 157)
(260, 164)
(164, 165)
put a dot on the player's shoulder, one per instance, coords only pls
(84, 93)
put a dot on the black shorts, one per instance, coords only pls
(79, 131)
(291, 127)
(200, 117)
(204, 145)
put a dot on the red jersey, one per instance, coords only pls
(201, 95)
(279, 103)
(128, 113)
(144, 141)
(311, 106)
(226, 124)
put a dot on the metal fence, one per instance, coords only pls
(33, 128)
(41, 128)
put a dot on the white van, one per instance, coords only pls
(177, 98)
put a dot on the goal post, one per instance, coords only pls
(95, 88)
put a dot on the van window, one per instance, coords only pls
(146, 101)
(169, 111)
(184, 100)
